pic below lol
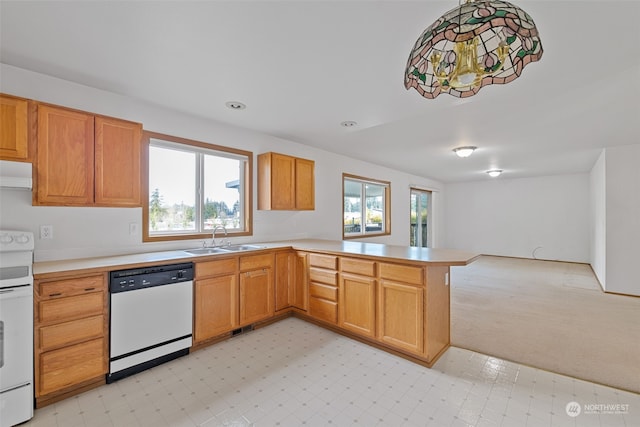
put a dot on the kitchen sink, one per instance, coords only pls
(236, 248)
(206, 251)
(223, 249)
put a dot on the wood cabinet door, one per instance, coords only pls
(283, 279)
(256, 296)
(283, 190)
(118, 146)
(401, 315)
(71, 365)
(14, 128)
(298, 291)
(357, 304)
(305, 184)
(216, 306)
(65, 174)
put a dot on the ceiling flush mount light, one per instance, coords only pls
(349, 124)
(464, 151)
(476, 44)
(235, 105)
(493, 173)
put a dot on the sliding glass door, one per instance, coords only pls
(420, 218)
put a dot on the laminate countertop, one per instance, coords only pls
(429, 256)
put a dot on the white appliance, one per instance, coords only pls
(151, 317)
(16, 327)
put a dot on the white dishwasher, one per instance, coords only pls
(151, 317)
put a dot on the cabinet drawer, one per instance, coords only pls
(71, 332)
(323, 276)
(402, 273)
(70, 308)
(323, 309)
(71, 287)
(322, 291)
(358, 266)
(324, 261)
(71, 365)
(253, 262)
(217, 268)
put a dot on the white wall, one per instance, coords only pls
(84, 232)
(543, 217)
(598, 214)
(623, 219)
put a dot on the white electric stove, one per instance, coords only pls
(16, 327)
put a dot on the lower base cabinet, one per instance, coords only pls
(400, 316)
(403, 307)
(231, 293)
(71, 365)
(215, 306)
(358, 304)
(323, 287)
(256, 296)
(70, 335)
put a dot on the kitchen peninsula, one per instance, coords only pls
(393, 297)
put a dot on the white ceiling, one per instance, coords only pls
(302, 67)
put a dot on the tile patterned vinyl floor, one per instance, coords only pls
(293, 373)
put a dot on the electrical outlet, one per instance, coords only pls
(133, 229)
(46, 232)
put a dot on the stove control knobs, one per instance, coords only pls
(5, 239)
(23, 238)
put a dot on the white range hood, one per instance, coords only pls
(15, 174)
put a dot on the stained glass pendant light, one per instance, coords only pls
(476, 44)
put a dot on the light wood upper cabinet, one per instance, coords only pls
(87, 160)
(118, 146)
(305, 184)
(65, 157)
(14, 128)
(285, 182)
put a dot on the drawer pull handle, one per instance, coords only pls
(57, 294)
(89, 289)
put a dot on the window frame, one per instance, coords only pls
(196, 146)
(387, 206)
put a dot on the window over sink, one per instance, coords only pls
(193, 186)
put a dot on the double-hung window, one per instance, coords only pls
(366, 207)
(194, 187)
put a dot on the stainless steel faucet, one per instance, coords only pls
(213, 236)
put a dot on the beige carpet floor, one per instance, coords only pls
(549, 315)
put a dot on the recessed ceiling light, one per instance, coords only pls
(235, 105)
(464, 151)
(349, 124)
(494, 172)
